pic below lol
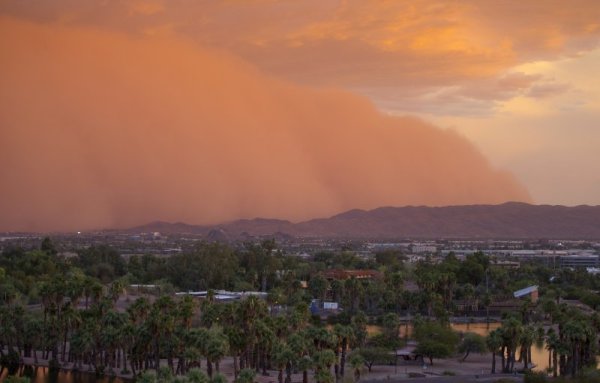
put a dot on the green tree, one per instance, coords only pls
(435, 340)
(472, 342)
(375, 355)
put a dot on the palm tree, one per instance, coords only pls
(512, 330)
(116, 289)
(304, 364)
(346, 336)
(359, 328)
(552, 345)
(138, 310)
(494, 344)
(126, 339)
(265, 340)
(217, 346)
(33, 330)
(354, 291)
(237, 344)
(356, 361)
(323, 360)
(528, 337)
(281, 356)
(70, 320)
(250, 312)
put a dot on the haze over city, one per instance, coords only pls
(118, 114)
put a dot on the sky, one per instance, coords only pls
(116, 113)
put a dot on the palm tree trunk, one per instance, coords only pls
(343, 360)
(64, 346)
(124, 359)
(574, 364)
(235, 366)
(209, 368)
(493, 362)
(263, 362)
(156, 355)
(512, 360)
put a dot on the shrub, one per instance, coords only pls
(247, 375)
(535, 377)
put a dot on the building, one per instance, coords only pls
(531, 291)
(580, 260)
(223, 295)
(338, 274)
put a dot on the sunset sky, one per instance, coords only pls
(115, 113)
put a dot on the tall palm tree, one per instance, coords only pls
(323, 360)
(494, 344)
(33, 332)
(528, 337)
(346, 336)
(281, 356)
(552, 345)
(217, 347)
(71, 318)
(304, 364)
(265, 340)
(512, 330)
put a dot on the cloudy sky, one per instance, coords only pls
(508, 92)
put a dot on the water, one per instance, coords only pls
(41, 375)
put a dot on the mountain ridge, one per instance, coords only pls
(510, 220)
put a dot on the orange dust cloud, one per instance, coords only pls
(102, 129)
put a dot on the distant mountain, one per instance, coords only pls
(508, 220)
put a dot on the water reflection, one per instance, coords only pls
(42, 375)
